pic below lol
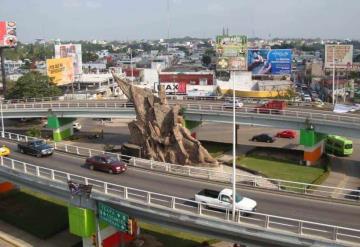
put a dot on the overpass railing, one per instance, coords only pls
(219, 99)
(213, 108)
(211, 174)
(256, 221)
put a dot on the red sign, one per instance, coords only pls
(8, 34)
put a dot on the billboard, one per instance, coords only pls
(8, 34)
(172, 87)
(266, 61)
(60, 70)
(71, 50)
(231, 52)
(343, 56)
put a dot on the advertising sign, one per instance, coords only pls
(172, 87)
(8, 34)
(71, 50)
(343, 56)
(60, 70)
(266, 61)
(231, 52)
(113, 217)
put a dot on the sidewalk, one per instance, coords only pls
(14, 237)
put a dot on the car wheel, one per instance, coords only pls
(268, 141)
(21, 150)
(111, 171)
(91, 167)
(38, 155)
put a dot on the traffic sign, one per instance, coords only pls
(113, 217)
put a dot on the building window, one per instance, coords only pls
(203, 81)
(192, 82)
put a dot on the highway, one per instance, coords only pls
(269, 203)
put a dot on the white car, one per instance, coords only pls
(230, 104)
(77, 126)
(223, 200)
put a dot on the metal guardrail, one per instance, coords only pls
(301, 228)
(202, 173)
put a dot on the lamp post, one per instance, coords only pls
(2, 121)
(234, 156)
(333, 84)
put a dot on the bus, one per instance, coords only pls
(338, 145)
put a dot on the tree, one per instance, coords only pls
(206, 60)
(33, 85)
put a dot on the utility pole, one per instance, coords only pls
(3, 76)
(333, 84)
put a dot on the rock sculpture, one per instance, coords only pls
(158, 129)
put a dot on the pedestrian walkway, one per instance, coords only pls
(11, 236)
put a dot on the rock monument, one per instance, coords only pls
(159, 131)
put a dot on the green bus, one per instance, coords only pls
(338, 145)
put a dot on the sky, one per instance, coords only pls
(148, 19)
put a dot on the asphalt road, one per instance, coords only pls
(269, 203)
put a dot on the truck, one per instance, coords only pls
(38, 148)
(223, 200)
(272, 106)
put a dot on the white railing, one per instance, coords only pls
(314, 230)
(216, 108)
(207, 174)
(247, 100)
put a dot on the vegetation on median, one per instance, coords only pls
(216, 148)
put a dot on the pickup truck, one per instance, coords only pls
(223, 200)
(37, 148)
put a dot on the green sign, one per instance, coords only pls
(113, 217)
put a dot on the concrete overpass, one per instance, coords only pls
(325, 122)
(257, 230)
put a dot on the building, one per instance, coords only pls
(191, 78)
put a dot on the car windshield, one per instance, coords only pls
(348, 146)
(38, 143)
(238, 198)
(111, 160)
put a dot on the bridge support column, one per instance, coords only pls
(62, 127)
(313, 145)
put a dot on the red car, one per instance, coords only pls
(286, 134)
(106, 163)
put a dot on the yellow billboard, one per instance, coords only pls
(60, 70)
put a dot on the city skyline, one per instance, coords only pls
(135, 20)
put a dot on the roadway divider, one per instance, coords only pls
(253, 222)
(210, 174)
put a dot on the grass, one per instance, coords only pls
(44, 216)
(215, 148)
(36, 216)
(173, 238)
(283, 170)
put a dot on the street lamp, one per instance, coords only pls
(234, 155)
(333, 84)
(2, 121)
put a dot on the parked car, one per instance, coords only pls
(230, 104)
(223, 200)
(37, 148)
(77, 126)
(286, 134)
(106, 163)
(4, 151)
(263, 138)
(354, 194)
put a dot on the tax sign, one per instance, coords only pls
(113, 217)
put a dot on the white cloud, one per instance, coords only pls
(72, 3)
(93, 4)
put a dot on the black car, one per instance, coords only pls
(263, 138)
(37, 148)
(354, 194)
